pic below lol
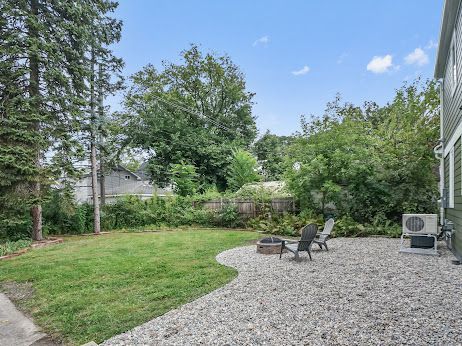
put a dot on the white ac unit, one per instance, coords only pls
(420, 224)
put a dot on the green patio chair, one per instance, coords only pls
(304, 244)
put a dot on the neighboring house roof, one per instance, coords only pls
(121, 168)
(118, 168)
(450, 12)
(143, 172)
(120, 181)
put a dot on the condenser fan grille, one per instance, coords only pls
(415, 224)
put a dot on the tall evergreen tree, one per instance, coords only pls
(103, 66)
(43, 91)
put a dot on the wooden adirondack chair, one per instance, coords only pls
(321, 238)
(304, 244)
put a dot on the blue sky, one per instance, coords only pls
(296, 55)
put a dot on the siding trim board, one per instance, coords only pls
(454, 138)
(451, 178)
(454, 211)
(460, 165)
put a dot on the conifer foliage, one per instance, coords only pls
(44, 95)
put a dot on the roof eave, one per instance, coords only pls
(448, 21)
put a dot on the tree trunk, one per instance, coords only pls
(102, 179)
(36, 214)
(102, 182)
(94, 189)
(36, 209)
(94, 167)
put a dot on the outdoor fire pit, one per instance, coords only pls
(269, 246)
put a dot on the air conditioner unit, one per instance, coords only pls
(420, 224)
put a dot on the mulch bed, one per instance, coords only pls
(34, 245)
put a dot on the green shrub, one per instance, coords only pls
(285, 224)
(17, 227)
(62, 216)
(228, 217)
(15, 220)
(369, 163)
(10, 247)
(290, 224)
(198, 217)
(347, 227)
(126, 212)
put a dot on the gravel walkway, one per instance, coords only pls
(360, 292)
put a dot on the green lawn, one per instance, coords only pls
(91, 288)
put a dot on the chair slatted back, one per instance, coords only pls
(328, 227)
(308, 234)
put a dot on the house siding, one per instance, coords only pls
(452, 93)
(117, 185)
(451, 99)
(455, 214)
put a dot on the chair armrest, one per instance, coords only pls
(322, 238)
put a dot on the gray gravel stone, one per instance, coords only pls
(361, 292)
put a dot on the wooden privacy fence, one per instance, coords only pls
(250, 208)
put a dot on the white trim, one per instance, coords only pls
(441, 109)
(455, 136)
(441, 186)
(451, 178)
(460, 164)
(441, 92)
(441, 182)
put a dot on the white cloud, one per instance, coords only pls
(341, 58)
(380, 64)
(264, 40)
(304, 70)
(431, 44)
(417, 57)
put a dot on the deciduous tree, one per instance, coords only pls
(271, 150)
(242, 170)
(194, 111)
(371, 162)
(184, 178)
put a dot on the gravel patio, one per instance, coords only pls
(360, 292)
